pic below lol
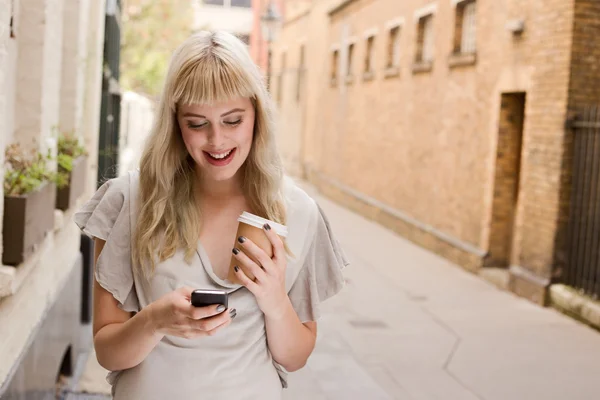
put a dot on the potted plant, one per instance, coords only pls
(71, 161)
(29, 193)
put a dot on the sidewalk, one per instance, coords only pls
(410, 325)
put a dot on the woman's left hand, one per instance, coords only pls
(269, 285)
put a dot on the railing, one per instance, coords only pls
(583, 271)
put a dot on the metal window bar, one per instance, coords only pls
(584, 220)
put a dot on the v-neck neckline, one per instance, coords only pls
(206, 263)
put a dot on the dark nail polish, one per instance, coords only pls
(267, 227)
(233, 315)
(235, 251)
(236, 268)
(221, 308)
(241, 239)
(232, 311)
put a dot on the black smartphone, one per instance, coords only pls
(209, 297)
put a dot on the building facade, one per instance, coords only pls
(448, 121)
(234, 16)
(51, 57)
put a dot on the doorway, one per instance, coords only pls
(506, 179)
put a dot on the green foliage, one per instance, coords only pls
(25, 173)
(68, 150)
(152, 29)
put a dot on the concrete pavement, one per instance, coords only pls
(411, 325)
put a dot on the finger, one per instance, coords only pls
(251, 286)
(211, 323)
(218, 328)
(204, 312)
(247, 262)
(276, 242)
(256, 252)
(186, 291)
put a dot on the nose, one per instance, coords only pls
(216, 136)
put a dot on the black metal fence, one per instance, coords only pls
(110, 111)
(584, 222)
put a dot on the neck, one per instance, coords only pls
(220, 190)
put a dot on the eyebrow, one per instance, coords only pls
(189, 114)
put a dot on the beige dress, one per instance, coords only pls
(235, 363)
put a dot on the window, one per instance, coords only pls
(241, 3)
(214, 2)
(425, 40)
(393, 56)
(280, 80)
(334, 66)
(350, 60)
(300, 74)
(12, 19)
(465, 32)
(370, 54)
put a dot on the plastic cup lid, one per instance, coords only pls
(259, 222)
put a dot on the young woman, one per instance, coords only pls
(169, 228)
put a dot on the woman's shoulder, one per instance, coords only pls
(110, 202)
(297, 198)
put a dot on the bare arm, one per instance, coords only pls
(290, 341)
(123, 341)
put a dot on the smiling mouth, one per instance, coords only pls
(220, 159)
(220, 156)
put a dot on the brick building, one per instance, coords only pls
(51, 69)
(447, 121)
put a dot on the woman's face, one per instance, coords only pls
(219, 136)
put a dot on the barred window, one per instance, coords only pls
(393, 57)
(350, 60)
(469, 26)
(370, 54)
(300, 74)
(334, 64)
(425, 44)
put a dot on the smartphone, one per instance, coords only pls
(209, 297)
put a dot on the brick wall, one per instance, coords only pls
(423, 147)
(543, 149)
(76, 14)
(93, 88)
(39, 39)
(5, 13)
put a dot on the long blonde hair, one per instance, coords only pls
(209, 67)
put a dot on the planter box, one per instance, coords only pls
(67, 196)
(27, 219)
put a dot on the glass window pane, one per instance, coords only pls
(241, 3)
(213, 2)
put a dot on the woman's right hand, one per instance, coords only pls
(173, 314)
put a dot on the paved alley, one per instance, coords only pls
(410, 325)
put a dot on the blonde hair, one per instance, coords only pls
(209, 67)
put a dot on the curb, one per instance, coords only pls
(571, 302)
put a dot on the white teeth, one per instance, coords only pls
(220, 156)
